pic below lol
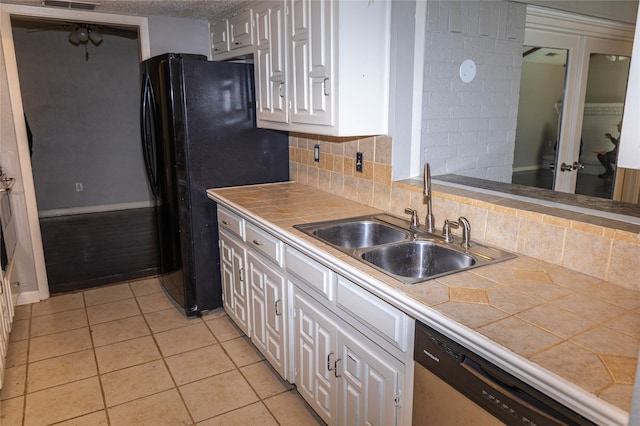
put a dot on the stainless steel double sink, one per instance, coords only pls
(391, 245)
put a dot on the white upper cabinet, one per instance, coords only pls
(232, 35)
(270, 62)
(322, 67)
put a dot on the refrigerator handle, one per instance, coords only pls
(147, 106)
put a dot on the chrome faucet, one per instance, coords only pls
(430, 219)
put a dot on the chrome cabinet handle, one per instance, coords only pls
(335, 368)
(280, 89)
(329, 362)
(241, 274)
(278, 304)
(226, 222)
(325, 88)
(258, 242)
(577, 165)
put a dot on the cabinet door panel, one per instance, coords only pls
(234, 286)
(370, 379)
(270, 63)
(314, 346)
(267, 302)
(311, 51)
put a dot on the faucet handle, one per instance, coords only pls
(415, 222)
(446, 229)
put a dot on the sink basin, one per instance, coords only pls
(358, 234)
(407, 253)
(417, 260)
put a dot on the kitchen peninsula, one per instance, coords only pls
(573, 336)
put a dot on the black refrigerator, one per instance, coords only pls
(199, 132)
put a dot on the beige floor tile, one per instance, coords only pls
(126, 354)
(216, 395)
(184, 339)
(119, 330)
(61, 303)
(264, 380)
(112, 311)
(155, 302)
(164, 408)
(60, 370)
(290, 409)
(242, 352)
(146, 287)
(99, 418)
(60, 321)
(19, 330)
(14, 381)
(59, 344)
(168, 319)
(135, 382)
(107, 294)
(254, 414)
(223, 328)
(63, 402)
(11, 411)
(17, 353)
(199, 363)
(22, 312)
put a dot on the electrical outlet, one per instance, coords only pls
(79, 187)
(359, 162)
(316, 153)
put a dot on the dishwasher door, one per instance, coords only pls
(456, 374)
(436, 403)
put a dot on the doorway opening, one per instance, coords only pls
(79, 87)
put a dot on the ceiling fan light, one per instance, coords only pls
(95, 36)
(73, 38)
(83, 34)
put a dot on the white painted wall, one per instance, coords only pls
(84, 116)
(469, 128)
(177, 35)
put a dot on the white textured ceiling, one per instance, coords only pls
(195, 9)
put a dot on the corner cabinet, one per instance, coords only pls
(349, 353)
(322, 66)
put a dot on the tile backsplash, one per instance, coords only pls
(575, 241)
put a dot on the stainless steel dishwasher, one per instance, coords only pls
(454, 386)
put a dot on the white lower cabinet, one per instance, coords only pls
(234, 286)
(346, 378)
(348, 352)
(268, 309)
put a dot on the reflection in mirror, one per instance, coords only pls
(541, 91)
(604, 102)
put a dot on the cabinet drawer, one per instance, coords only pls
(386, 320)
(230, 222)
(311, 273)
(264, 242)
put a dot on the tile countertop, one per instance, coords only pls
(573, 336)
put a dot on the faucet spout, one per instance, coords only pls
(430, 219)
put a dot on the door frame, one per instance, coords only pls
(580, 36)
(28, 231)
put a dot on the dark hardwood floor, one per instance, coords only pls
(88, 250)
(586, 184)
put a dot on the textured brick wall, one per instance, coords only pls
(469, 128)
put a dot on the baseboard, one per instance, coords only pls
(95, 209)
(28, 297)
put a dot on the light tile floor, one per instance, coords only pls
(125, 355)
